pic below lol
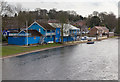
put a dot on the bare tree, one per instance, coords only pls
(8, 9)
(18, 7)
(62, 16)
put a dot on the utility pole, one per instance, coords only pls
(27, 31)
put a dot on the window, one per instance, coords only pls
(48, 30)
(58, 32)
(50, 36)
(73, 31)
(34, 37)
(39, 30)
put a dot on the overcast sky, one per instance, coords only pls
(82, 7)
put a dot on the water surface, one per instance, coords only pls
(98, 61)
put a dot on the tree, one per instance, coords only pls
(95, 13)
(52, 13)
(117, 30)
(93, 21)
(41, 14)
(7, 9)
(102, 19)
(23, 17)
(62, 16)
(109, 21)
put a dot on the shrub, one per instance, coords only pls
(4, 39)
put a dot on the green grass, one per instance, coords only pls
(113, 36)
(11, 50)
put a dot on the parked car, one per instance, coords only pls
(85, 38)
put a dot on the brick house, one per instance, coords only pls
(99, 30)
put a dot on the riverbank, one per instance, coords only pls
(10, 51)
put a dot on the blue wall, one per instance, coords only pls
(23, 40)
(49, 38)
(67, 38)
(35, 26)
(43, 31)
(57, 37)
(17, 40)
(33, 40)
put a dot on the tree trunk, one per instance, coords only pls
(80, 32)
(62, 34)
(96, 37)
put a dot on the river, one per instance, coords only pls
(97, 61)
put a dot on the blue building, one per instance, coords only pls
(25, 37)
(39, 32)
(45, 29)
(70, 32)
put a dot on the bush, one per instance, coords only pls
(4, 39)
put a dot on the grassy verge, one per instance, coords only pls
(113, 36)
(11, 50)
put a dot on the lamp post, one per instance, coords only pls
(27, 31)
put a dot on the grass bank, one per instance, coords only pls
(12, 50)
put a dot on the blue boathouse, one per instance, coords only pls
(24, 37)
(41, 32)
(45, 29)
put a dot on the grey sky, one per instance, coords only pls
(82, 7)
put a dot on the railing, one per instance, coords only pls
(48, 34)
(16, 34)
(72, 34)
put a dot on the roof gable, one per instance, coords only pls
(22, 32)
(45, 25)
(35, 23)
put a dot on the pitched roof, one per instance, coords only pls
(33, 32)
(46, 25)
(58, 25)
(105, 29)
(98, 28)
(66, 27)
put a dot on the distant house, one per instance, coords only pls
(24, 37)
(10, 24)
(98, 30)
(81, 24)
(53, 21)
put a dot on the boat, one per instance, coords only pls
(90, 41)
